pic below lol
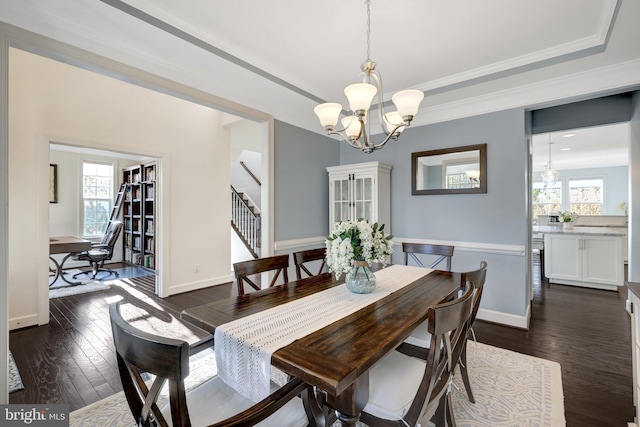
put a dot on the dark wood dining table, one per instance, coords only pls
(337, 358)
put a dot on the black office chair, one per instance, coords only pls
(100, 252)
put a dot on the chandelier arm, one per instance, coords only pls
(345, 138)
(380, 145)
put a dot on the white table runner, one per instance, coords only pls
(244, 346)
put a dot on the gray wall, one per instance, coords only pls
(593, 112)
(495, 218)
(301, 182)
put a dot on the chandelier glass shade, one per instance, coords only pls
(356, 126)
(549, 175)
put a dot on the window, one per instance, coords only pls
(546, 198)
(461, 174)
(97, 195)
(585, 196)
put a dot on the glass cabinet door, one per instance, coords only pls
(341, 200)
(363, 197)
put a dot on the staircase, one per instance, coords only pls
(245, 221)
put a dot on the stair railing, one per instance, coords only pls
(246, 168)
(246, 222)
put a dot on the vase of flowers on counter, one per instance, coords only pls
(351, 249)
(567, 219)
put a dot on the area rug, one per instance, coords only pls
(77, 289)
(511, 389)
(15, 381)
(63, 289)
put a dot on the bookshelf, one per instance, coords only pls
(139, 215)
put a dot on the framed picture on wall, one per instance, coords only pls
(53, 183)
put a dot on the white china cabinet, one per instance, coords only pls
(360, 190)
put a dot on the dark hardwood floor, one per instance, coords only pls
(71, 360)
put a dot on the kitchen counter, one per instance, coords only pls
(539, 230)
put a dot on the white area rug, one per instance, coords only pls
(76, 289)
(511, 389)
(15, 382)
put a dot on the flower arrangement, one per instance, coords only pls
(567, 216)
(359, 240)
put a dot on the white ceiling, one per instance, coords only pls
(593, 147)
(284, 56)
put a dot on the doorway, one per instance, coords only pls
(590, 167)
(84, 205)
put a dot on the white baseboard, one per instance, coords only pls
(193, 286)
(23, 322)
(521, 322)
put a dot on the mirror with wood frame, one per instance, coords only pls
(456, 170)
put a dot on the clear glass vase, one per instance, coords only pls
(361, 280)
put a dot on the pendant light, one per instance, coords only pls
(549, 175)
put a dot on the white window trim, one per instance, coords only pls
(565, 203)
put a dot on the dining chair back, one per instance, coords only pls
(245, 269)
(212, 402)
(417, 344)
(474, 279)
(404, 390)
(300, 258)
(443, 252)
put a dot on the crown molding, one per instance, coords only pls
(603, 80)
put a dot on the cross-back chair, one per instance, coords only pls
(420, 336)
(475, 278)
(213, 403)
(444, 252)
(244, 269)
(418, 343)
(404, 390)
(300, 258)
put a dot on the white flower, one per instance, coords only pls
(356, 241)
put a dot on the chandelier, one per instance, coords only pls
(356, 127)
(549, 175)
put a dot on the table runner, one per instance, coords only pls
(244, 346)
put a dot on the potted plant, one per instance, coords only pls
(567, 219)
(352, 247)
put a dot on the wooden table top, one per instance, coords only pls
(67, 244)
(333, 357)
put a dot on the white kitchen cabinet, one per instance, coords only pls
(360, 190)
(633, 308)
(588, 260)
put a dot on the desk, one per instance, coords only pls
(337, 358)
(65, 245)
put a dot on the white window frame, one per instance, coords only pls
(586, 178)
(565, 203)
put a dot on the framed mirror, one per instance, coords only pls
(456, 170)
